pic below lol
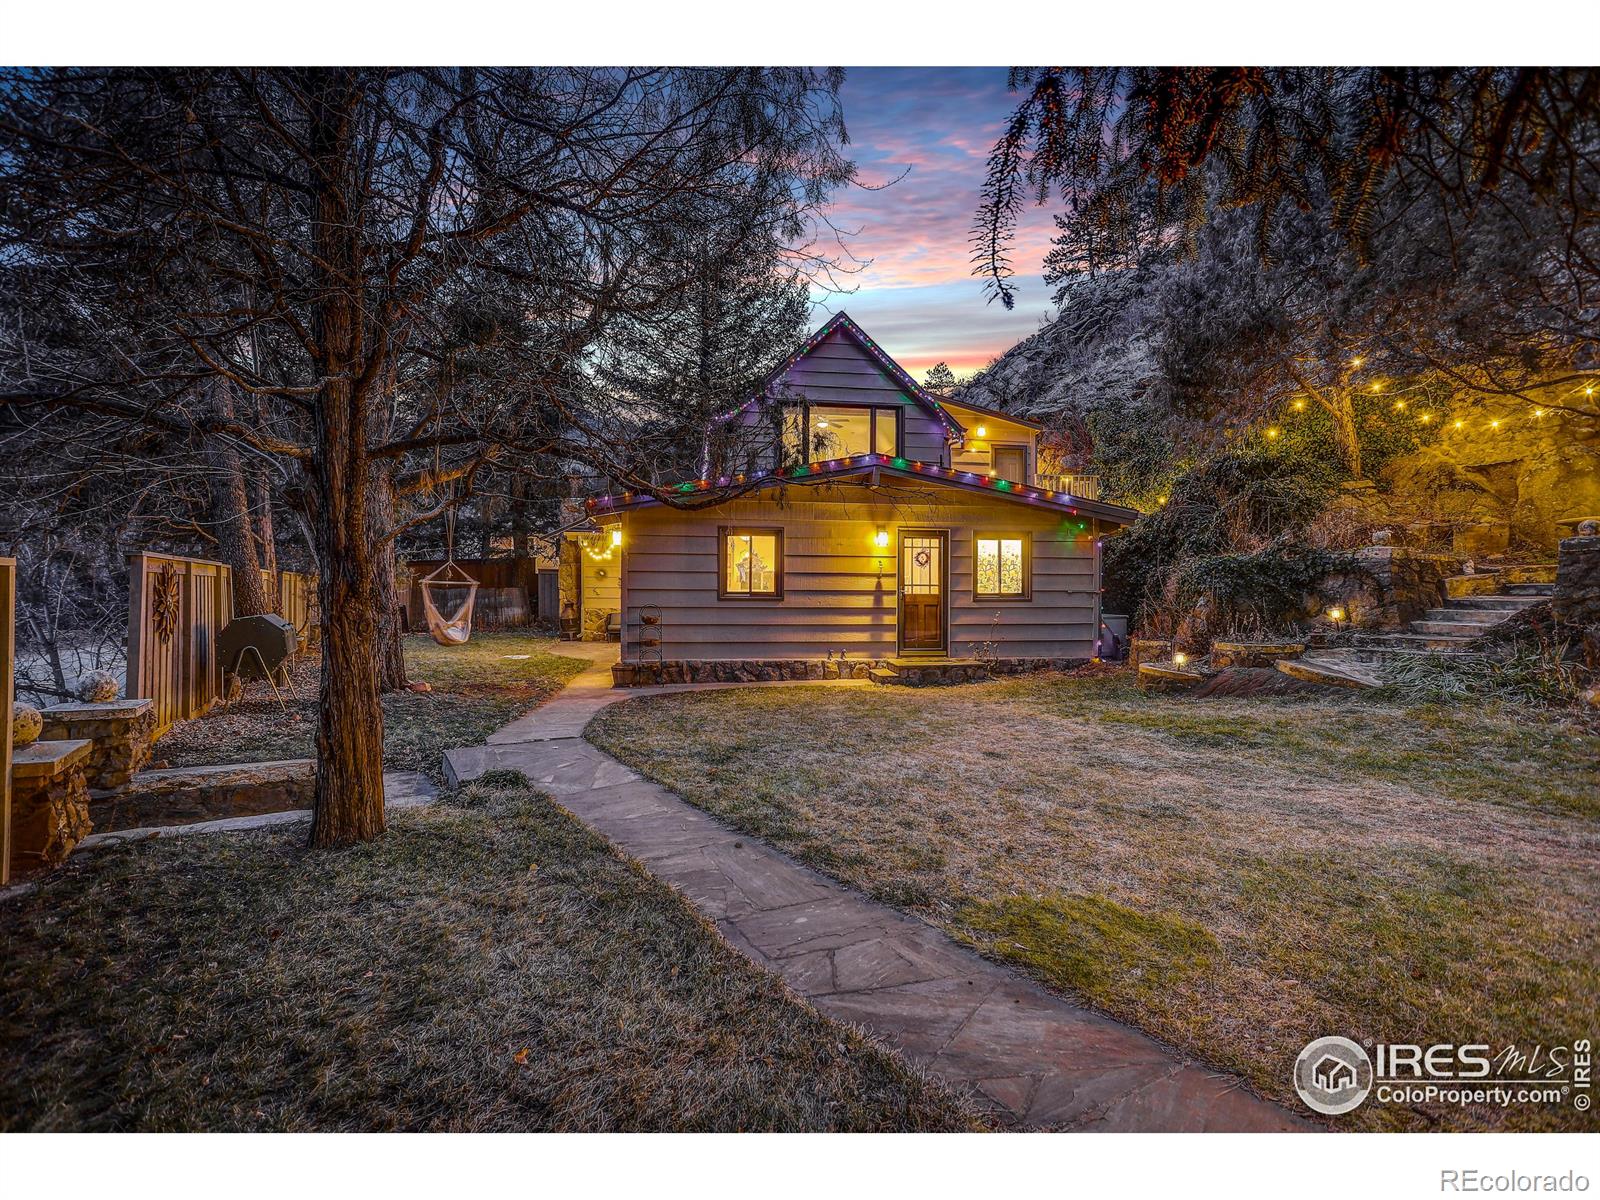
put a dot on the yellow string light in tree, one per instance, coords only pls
(1355, 362)
(1272, 434)
(1377, 387)
(1425, 417)
(1459, 425)
(1299, 406)
(1494, 424)
(1399, 405)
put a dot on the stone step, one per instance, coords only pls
(1329, 669)
(1162, 676)
(1434, 643)
(1463, 629)
(882, 676)
(1537, 591)
(1533, 573)
(1481, 617)
(1495, 600)
(1374, 655)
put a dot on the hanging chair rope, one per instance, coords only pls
(456, 628)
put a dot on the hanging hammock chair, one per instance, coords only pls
(456, 628)
(453, 629)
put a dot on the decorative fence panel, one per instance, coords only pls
(177, 608)
(8, 651)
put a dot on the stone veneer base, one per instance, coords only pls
(773, 670)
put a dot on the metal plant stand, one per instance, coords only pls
(650, 634)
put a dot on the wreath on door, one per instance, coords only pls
(923, 558)
(164, 601)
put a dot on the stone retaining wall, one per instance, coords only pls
(49, 804)
(1577, 591)
(184, 795)
(123, 732)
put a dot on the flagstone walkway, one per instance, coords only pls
(1036, 1058)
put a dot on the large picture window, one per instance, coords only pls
(1002, 566)
(837, 432)
(750, 565)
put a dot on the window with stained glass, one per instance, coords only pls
(1002, 566)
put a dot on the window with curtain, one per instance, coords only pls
(751, 565)
(1002, 566)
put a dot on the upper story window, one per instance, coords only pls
(839, 432)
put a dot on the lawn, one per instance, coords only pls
(488, 964)
(1236, 876)
(476, 688)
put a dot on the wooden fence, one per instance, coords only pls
(177, 608)
(8, 650)
(297, 604)
(507, 592)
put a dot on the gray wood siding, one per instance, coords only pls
(837, 371)
(835, 595)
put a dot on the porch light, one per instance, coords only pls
(982, 431)
(881, 538)
(1336, 614)
(616, 536)
(1179, 659)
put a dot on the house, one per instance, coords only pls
(1333, 1074)
(873, 523)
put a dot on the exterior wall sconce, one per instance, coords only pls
(881, 539)
(616, 536)
(982, 431)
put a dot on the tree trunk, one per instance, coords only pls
(391, 647)
(234, 528)
(348, 804)
(266, 537)
(1345, 435)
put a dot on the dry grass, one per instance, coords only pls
(478, 687)
(1235, 876)
(488, 964)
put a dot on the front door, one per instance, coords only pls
(922, 590)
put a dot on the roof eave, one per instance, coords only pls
(886, 465)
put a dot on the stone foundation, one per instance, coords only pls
(184, 795)
(49, 804)
(774, 670)
(123, 732)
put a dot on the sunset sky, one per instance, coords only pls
(918, 297)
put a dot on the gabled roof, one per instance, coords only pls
(870, 468)
(841, 323)
(999, 414)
